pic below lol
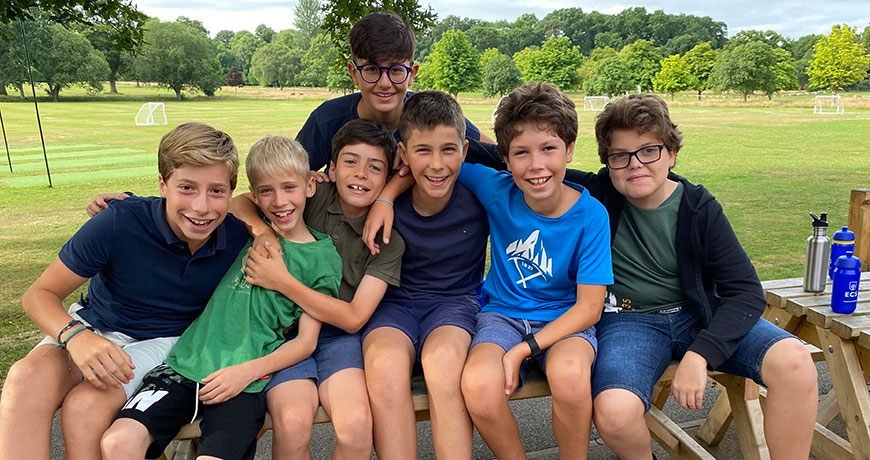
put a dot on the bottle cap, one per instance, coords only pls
(844, 235)
(847, 262)
(820, 221)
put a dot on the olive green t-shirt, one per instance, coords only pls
(323, 213)
(243, 322)
(645, 268)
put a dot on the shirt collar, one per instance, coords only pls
(357, 224)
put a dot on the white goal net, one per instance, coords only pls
(594, 103)
(151, 113)
(828, 105)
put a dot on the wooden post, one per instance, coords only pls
(859, 222)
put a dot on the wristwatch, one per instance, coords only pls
(533, 345)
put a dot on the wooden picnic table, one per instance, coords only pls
(845, 343)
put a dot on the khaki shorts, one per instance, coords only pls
(146, 354)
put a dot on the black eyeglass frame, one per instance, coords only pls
(382, 69)
(660, 147)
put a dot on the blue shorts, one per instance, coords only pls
(506, 332)
(417, 318)
(336, 350)
(636, 348)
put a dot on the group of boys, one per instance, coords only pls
(216, 323)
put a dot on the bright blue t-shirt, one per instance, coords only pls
(144, 281)
(445, 253)
(320, 127)
(536, 262)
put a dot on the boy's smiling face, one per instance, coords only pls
(359, 177)
(382, 96)
(281, 197)
(644, 185)
(434, 156)
(537, 159)
(197, 200)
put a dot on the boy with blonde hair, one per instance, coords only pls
(223, 361)
(182, 244)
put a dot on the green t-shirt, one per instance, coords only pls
(323, 213)
(243, 322)
(645, 268)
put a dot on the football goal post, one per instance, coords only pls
(151, 113)
(595, 103)
(828, 105)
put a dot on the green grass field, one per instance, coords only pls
(769, 164)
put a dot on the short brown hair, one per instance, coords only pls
(428, 109)
(275, 155)
(539, 103)
(369, 132)
(642, 113)
(197, 144)
(382, 35)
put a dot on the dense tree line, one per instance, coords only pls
(634, 50)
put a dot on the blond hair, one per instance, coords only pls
(197, 144)
(275, 155)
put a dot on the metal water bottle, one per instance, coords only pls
(847, 275)
(818, 254)
(844, 241)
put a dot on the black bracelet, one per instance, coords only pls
(69, 326)
(533, 345)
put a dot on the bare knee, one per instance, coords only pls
(20, 384)
(353, 426)
(788, 367)
(570, 384)
(120, 441)
(442, 368)
(484, 394)
(615, 411)
(293, 424)
(384, 378)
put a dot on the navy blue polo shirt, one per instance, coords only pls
(144, 281)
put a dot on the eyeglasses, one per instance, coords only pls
(645, 155)
(371, 73)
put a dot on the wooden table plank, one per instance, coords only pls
(848, 327)
(823, 316)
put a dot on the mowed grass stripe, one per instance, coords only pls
(51, 148)
(16, 159)
(100, 162)
(79, 177)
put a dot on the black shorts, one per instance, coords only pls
(166, 401)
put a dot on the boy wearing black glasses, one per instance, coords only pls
(683, 289)
(382, 67)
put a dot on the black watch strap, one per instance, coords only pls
(533, 345)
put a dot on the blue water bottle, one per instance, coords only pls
(847, 275)
(844, 240)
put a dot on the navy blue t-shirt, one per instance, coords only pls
(445, 252)
(144, 281)
(320, 127)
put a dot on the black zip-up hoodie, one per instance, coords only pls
(715, 272)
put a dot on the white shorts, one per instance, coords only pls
(146, 354)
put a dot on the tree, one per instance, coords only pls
(700, 60)
(768, 36)
(802, 50)
(121, 15)
(643, 61)
(234, 77)
(484, 36)
(454, 64)
(264, 33)
(315, 62)
(556, 62)
(487, 56)
(521, 34)
(106, 40)
(61, 58)
(674, 77)
(308, 18)
(339, 80)
(243, 46)
(276, 63)
(588, 67)
(178, 57)
(224, 38)
(784, 71)
(745, 68)
(500, 76)
(194, 24)
(838, 60)
(609, 76)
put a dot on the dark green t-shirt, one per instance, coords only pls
(243, 322)
(645, 269)
(323, 213)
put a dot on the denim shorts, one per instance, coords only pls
(419, 317)
(636, 348)
(336, 350)
(506, 332)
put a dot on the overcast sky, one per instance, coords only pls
(791, 18)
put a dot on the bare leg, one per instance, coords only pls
(126, 439)
(569, 370)
(443, 357)
(345, 399)
(98, 408)
(618, 416)
(483, 390)
(389, 357)
(34, 389)
(292, 406)
(792, 399)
